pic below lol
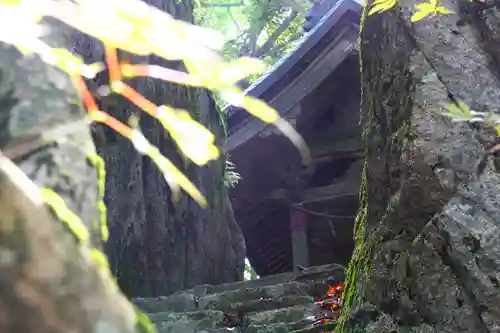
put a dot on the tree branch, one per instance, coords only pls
(271, 41)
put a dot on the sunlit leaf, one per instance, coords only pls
(260, 109)
(497, 128)
(428, 8)
(194, 139)
(175, 177)
(460, 109)
(425, 7)
(216, 74)
(419, 15)
(382, 6)
(136, 27)
(241, 68)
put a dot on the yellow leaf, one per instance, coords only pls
(175, 175)
(376, 2)
(433, 3)
(455, 110)
(215, 74)
(425, 7)
(194, 139)
(10, 2)
(419, 15)
(382, 6)
(240, 68)
(463, 106)
(260, 109)
(136, 27)
(67, 61)
(204, 74)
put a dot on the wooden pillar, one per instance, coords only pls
(298, 224)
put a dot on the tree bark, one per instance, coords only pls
(42, 129)
(48, 281)
(158, 246)
(427, 255)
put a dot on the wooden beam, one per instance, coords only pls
(336, 146)
(300, 250)
(302, 86)
(348, 186)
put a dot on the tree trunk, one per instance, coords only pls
(43, 131)
(48, 281)
(156, 246)
(427, 255)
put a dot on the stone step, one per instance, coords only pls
(227, 299)
(291, 314)
(277, 304)
(260, 312)
(273, 328)
(312, 273)
(294, 314)
(292, 318)
(230, 293)
(267, 304)
(262, 282)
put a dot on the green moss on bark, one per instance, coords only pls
(101, 224)
(386, 124)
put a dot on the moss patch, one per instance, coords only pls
(100, 224)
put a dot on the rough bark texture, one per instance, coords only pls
(156, 246)
(42, 129)
(427, 257)
(48, 282)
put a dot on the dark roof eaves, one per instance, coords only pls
(314, 36)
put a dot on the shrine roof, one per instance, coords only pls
(343, 13)
(322, 63)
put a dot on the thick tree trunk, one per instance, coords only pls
(156, 246)
(48, 281)
(427, 257)
(43, 131)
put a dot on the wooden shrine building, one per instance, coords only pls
(293, 215)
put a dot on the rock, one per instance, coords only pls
(271, 305)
